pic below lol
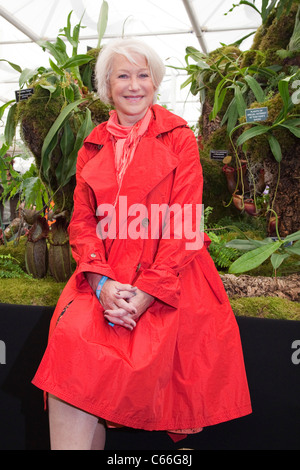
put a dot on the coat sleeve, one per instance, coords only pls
(87, 248)
(181, 238)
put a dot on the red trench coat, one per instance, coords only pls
(182, 366)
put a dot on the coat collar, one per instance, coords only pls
(164, 121)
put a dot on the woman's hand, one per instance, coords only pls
(140, 301)
(111, 300)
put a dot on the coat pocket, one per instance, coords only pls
(211, 275)
(63, 312)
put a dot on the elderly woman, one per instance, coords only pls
(143, 334)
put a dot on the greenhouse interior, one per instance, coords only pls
(230, 97)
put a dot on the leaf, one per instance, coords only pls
(241, 244)
(11, 125)
(253, 132)
(194, 54)
(254, 258)
(294, 130)
(240, 102)
(3, 108)
(102, 22)
(27, 75)
(56, 69)
(275, 147)
(50, 88)
(256, 88)
(277, 259)
(67, 141)
(293, 250)
(283, 87)
(67, 167)
(14, 66)
(56, 50)
(292, 237)
(76, 61)
(52, 136)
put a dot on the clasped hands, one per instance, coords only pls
(123, 303)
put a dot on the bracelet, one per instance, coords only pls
(99, 288)
(100, 285)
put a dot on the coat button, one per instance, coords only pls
(93, 255)
(145, 222)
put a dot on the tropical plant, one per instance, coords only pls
(267, 6)
(258, 251)
(61, 110)
(287, 119)
(68, 88)
(229, 82)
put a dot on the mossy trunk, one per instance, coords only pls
(284, 191)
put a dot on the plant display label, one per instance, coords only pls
(256, 114)
(22, 95)
(218, 154)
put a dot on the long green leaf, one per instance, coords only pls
(3, 108)
(67, 167)
(294, 130)
(256, 88)
(76, 61)
(275, 147)
(292, 237)
(283, 88)
(56, 69)
(102, 22)
(254, 258)
(14, 66)
(11, 125)
(240, 102)
(253, 132)
(53, 132)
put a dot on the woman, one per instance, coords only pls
(143, 334)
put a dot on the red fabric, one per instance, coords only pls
(182, 366)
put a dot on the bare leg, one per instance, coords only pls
(72, 428)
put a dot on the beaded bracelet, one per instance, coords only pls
(99, 288)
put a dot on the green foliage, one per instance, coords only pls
(10, 268)
(59, 116)
(258, 251)
(267, 7)
(222, 255)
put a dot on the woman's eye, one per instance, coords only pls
(123, 75)
(144, 75)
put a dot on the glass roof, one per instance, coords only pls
(168, 25)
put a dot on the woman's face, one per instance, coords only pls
(132, 89)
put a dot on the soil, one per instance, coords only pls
(287, 287)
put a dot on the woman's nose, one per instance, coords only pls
(134, 84)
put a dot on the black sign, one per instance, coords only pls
(218, 154)
(22, 95)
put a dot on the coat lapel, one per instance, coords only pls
(99, 173)
(152, 162)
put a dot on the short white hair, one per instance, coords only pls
(126, 47)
